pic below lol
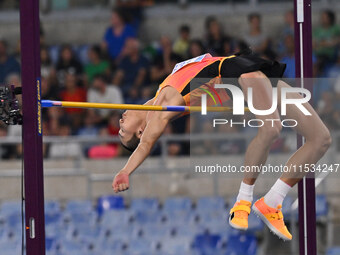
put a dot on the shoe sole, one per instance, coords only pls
(236, 226)
(269, 225)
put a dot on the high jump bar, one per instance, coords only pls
(138, 107)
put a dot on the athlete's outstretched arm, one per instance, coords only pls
(152, 132)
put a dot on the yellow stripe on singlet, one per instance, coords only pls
(221, 62)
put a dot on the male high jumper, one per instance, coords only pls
(139, 130)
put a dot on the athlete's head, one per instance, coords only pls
(132, 125)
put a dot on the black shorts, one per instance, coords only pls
(236, 66)
(233, 68)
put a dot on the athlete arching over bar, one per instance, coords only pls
(139, 130)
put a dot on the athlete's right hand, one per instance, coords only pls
(120, 182)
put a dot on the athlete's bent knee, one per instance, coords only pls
(322, 142)
(269, 134)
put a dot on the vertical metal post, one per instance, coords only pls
(33, 157)
(304, 69)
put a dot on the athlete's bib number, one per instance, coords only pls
(187, 62)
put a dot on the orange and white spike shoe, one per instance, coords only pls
(238, 216)
(273, 218)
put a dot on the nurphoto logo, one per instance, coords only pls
(239, 107)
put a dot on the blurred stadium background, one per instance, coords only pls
(116, 51)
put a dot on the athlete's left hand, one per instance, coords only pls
(120, 182)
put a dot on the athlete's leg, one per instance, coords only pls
(258, 149)
(317, 142)
(316, 134)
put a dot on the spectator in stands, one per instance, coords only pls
(132, 71)
(5, 149)
(67, 63)
(65, 149)
(161, 66)
(228, 47)
(289, 23)
(97, 64)
(104, 150)
(326, 38)
(47, 67)
(164, 62)
(54, 116)
(241, 45)
(113, 126)
(101, 92)
(116, 35)
(135, 9)
(327, 111)
(73, 92)
(287, 30)
(90, 125)
(49, 91)
(181, 45)
(289, 56)
(255, 37)
(196, 48)
(13, 79)
(8, 64)
(214, 36)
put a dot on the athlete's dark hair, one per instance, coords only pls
(132, 144)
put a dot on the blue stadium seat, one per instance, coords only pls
(106, 203)
(79, 206)
(115, 246)
(138, 246)
(321, 206)
(14, 233)
(206, 242)
(187, 230)
(70, 247)
(179, 217)
(50, 244)
(52, 207)
(13, 219)
(175, 246)
(243, 244)
(144, 204)
(80, 218)
(210, 203)
(333, 251)
(84, 233)
(10, 248)
(51, 252)
(10, 207)
(156, 231)
(121, 232)
(53, 230)
(52, 218)
(115, 218)
(146, 217)
(177, 204)
(286, 206)
(255, 224)
(214, 221)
